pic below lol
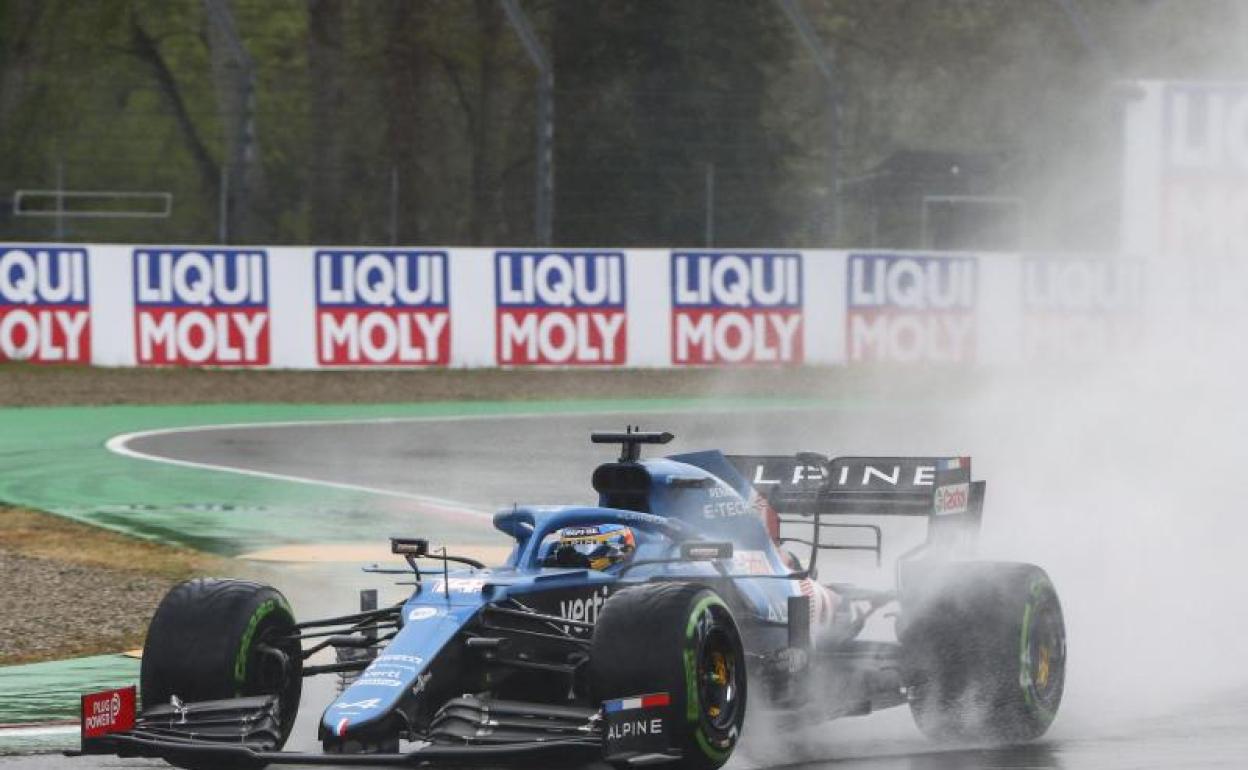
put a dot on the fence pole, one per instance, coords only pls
(544, 204)
(60, 200)
(223, 205)
(241, 151)
(709, 238)
(394, 205)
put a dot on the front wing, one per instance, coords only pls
(140, 744)
(245, 731)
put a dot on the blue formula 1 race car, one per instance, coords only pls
(636, 631)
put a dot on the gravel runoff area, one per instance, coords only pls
(71, 589)
(105, 611)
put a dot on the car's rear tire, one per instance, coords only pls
(985, 645)
(213, 639)
(679, 639)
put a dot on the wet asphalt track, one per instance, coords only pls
(490, 463)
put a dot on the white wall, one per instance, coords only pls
(260, 306)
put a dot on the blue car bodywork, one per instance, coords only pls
(492, 663)
(698, 496)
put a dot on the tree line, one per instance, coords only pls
(413, 121)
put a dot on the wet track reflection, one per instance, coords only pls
(1035, 756)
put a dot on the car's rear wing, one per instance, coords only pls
(810, 485)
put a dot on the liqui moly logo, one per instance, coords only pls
(560, 307)
(910, 309)
(732, 308)
(1068, 285)
(1204, 191)
(201, 307)
(1206, 127)
(1080, 309)
(45, 313)
(382, 308)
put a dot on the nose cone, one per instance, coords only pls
(399, 672)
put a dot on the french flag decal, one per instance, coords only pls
(656, 700)
(950, 464)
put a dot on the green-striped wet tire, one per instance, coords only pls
(985, 645)
(679, 639)
(212, 639)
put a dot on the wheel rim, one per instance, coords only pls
(275, 667)
(271, 661)
(718, 681)
(1046, 657)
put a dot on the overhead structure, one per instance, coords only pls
(61, 204)
(92, 204)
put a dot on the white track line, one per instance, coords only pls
(120, 445)
(39, 731)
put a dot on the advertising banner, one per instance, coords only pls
(1185, 194)
(45, 304)
(419, 307)
(1079, 309)
(1205, 168)
(382, 308)
(560, 307)
(734, 308)
(910, 308)
(201, 307)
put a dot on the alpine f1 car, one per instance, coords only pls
(631, 631)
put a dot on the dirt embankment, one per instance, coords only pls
(60, 386)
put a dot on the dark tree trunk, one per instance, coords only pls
(326, 187)
(144, 47)
(486, 183)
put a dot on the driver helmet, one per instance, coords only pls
(598, 546)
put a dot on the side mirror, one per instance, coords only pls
(409, 546)
(699, 550)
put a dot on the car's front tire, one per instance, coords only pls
(679, 639)
(985, 644)
(214, 639)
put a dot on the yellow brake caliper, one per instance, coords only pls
(718, 675)
(1042, 669)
